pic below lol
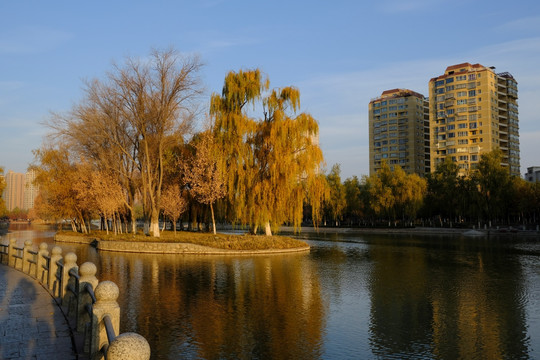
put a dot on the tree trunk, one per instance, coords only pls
(253, 230)
(213, 221)
(154, 223)
(174, 226)
(267, 229)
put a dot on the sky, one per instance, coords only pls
(339, 54)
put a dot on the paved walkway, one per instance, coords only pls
(32, 326)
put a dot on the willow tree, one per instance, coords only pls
(272, 162)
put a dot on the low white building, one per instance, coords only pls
(532, 174)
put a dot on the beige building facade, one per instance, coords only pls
(473, 110)
(14, 191)
(399, 131)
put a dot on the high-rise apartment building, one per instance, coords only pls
(399, 131)
(473, 110)
(14, 191)
(30, 190)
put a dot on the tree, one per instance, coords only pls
(493, 181)
(126, 123)
(107, 194)
(271, 164)
(354, 208)
(337, 201)
(56, 175)
(204, 173)
(173, 203)
(395, 194)
(443, 189)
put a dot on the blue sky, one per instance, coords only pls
(340, 54)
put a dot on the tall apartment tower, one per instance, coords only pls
(399, 131)
(473, 110)
(14, 191)
(30, 190)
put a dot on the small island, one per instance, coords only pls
(185, 242)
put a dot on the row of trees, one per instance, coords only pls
(488, 195)
(131, 140)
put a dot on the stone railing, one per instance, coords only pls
(89, 304)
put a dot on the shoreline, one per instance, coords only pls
(415, 231)
(156, 247)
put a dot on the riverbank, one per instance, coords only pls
(417, 231)
(188, 243)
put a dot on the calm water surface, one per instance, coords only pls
(353, 296)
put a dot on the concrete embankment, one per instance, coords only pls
(154, 247)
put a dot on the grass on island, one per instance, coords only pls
(220, 241)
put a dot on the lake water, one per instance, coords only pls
(353, 296)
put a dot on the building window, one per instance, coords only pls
(472, 93)
(450, 80)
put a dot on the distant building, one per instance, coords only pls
(473, 110)
(399, 131)
(533, 174)
(14, 191)
(30, 190)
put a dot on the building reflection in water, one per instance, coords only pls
(464, 301)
